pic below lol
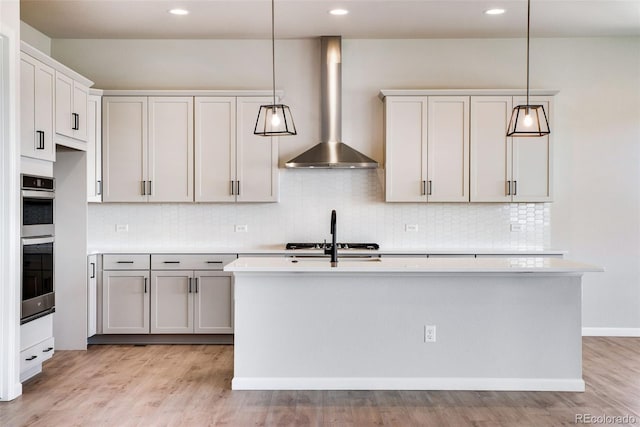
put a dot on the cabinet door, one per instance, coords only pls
(124, 148)
(171, 302)
(405, 148)
(532, 167)
(213, 303)
(257, 156)
(64, 105)
(92, 295)
(490, 148)
(36, 101)
(94, 149)
(80, 99)
(215, 149)
(125, 302)
(448, 149)
(170, 149)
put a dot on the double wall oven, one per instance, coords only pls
(37, 238)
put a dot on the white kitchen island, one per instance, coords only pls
(501, 324)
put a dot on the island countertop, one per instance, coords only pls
(411, 265)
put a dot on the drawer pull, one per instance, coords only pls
(214, 262)
(47, 350)
(171, 262)
(28, 359)
(125, 262)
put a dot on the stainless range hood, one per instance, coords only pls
(331, 152)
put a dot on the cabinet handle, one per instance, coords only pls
(237, 188)
(150, 192)
(189, 284)
(40, 145)
(231, 188)
(171, 262)
(99, 189)
(76, 121)
(31, 358)
(429, 187)
(124, 262)
(508, 188)
(196, 279)
(47, 350)
(423, 191)
(515, 188)
(145, 285)
(214, 262)
(93, 270)
(144, 188)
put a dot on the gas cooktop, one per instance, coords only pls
(342, 246)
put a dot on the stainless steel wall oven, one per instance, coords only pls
(37, 219)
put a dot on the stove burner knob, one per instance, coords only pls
(345, 246)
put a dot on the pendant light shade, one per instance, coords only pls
(528, 120)
(274, 119)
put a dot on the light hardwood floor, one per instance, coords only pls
(189, 385)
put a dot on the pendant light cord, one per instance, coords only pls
(528, 25)
(273, 51)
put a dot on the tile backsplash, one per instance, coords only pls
(303, 213)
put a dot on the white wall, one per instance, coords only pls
(10, 386)
(596, 132)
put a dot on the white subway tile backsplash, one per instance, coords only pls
(306, 200)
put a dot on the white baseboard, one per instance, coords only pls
(333, 383)
(611, 332)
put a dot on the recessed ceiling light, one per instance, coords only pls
(494, 12)
(179, 12)
(338, 12)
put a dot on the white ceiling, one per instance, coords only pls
(247, 19)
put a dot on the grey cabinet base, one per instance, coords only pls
(144, 339)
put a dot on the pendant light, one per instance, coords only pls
(528, 120)
(274, 119)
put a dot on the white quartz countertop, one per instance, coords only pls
(525, 264)
(281, 251)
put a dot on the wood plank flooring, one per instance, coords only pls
(189, 385)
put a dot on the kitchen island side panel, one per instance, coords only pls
(333, 331)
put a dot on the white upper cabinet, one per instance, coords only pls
(256, 156)
(507, 169)
(170, 177)
(233, 164)
(94, 149)
(37, 83)
(147, 149)
(531, 171)
(124, 148)
(71, 108)
(215, 149)
(490, 148)
(427, 148)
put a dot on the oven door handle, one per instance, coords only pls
(34, 194)
(36, 240)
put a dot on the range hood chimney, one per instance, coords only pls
(331, 152)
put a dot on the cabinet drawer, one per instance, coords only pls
(125, 262)
(36, 354)
(36, 331)
(190, 261)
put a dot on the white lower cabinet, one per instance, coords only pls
(166, 294)
(126, 302)
(36, 344)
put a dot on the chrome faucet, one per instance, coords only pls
(333, 251)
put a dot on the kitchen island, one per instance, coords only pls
(408, 323)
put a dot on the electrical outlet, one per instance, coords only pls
(429, 333)
(517, 227)
(242, 228)
(411, 227)
(122, 228)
